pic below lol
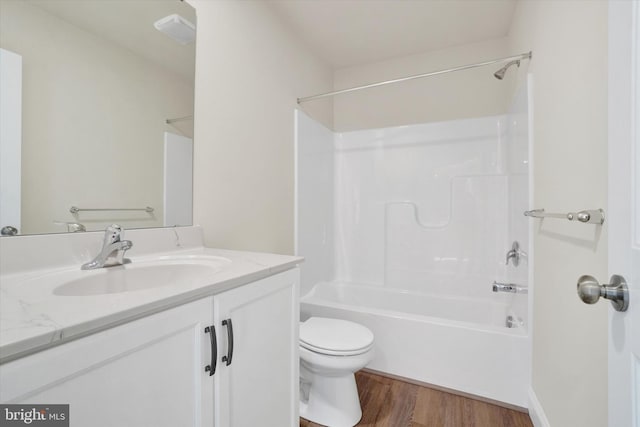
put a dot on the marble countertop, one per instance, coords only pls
(33, 317)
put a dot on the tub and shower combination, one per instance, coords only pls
(405, 229)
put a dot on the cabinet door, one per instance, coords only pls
(149, 372)
(260, 385)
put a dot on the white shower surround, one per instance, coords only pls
(404, 230)
(423, 207)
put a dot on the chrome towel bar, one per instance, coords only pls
(591, 216)
(75, 209)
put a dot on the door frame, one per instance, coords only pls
(622, 116)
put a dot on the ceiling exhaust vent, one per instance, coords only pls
(178, 28)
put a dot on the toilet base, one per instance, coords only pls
(332, 401)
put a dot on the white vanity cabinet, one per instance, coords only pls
(148, 372)
(256, 384)
(155, 371)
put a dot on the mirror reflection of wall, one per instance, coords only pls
(98, 84)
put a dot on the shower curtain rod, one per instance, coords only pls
(417, 76)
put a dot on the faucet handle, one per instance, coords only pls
(119, 257)
(112, 234)
(516, 254)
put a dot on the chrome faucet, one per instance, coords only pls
(509, 287)
(113, 249)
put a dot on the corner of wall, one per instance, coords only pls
(244, 128)
(570, 123)
(536, 413)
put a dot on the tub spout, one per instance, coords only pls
(509, 287)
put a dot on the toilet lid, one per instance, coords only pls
(334, 336)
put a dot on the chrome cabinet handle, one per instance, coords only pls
(229, 325)
(211, 368)
(590, 291)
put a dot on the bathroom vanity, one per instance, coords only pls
(217, 348)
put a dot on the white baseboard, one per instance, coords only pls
(536, 413)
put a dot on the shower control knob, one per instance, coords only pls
(8, 231)
(590, 291)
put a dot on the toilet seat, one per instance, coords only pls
(335, 337)
(326, 352)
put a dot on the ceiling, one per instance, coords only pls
(351, 32)
(130, 25)
(341, 32)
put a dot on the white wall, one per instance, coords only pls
(464, 94)
(93, 122)
(569, 67)
(249, 71)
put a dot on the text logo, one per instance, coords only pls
(34, 415)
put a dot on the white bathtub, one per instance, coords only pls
(457, 343)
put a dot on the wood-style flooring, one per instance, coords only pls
(388, 402)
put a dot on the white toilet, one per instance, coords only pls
(331, 351)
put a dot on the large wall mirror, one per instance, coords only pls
(96, 114)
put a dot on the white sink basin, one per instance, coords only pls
(141, 275)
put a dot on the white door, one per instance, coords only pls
(256, 383)
(624, 209)
(10, 137)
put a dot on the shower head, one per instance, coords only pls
(501, 72)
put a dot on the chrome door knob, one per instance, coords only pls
(590, 291)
